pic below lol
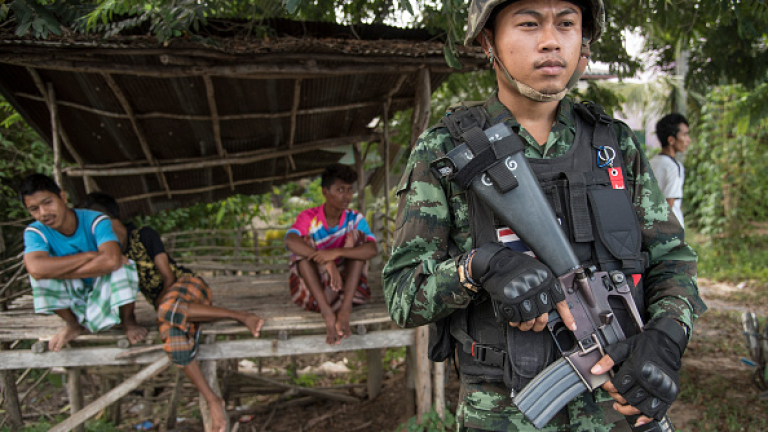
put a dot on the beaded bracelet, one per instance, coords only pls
(464, 274)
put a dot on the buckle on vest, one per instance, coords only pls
(488, 355)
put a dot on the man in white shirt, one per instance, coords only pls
(672, 131)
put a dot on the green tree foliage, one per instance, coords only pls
(727, 169)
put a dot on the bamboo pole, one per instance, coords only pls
(210, 94)
(123, 100)
(309, 69)
(206, 162)
(55, 135)
(205, 118)
(116, 393)
(224, 186)
(360, 177)
(385, 139)
(421, 105)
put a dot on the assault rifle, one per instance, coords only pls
(496, 170)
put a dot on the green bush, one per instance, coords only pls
(727, 168)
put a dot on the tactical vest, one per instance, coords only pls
(596, 214)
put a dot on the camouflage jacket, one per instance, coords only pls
(420, 280)
(421, 283)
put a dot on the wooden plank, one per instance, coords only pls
(113, 395)
(314, 344)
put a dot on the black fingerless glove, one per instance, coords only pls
(523, 286)
(649, 378)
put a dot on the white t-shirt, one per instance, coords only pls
(671, 176)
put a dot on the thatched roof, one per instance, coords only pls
(164, 126)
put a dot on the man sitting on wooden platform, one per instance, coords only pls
(75, 265)
(331, 246)
(183, 300)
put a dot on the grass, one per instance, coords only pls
(717, 387)
(732, 260)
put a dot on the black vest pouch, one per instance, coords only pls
(530, 352)
(616, 218)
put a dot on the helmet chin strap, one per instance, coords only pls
(529, 91)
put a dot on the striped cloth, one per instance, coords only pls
(180, 336)
(96, 307)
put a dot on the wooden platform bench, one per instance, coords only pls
(254, 279)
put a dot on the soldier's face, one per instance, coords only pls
(539, 42)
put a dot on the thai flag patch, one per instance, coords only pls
(507, 237)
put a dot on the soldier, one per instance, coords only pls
(438, 271)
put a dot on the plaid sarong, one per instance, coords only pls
(96, 307)
(180, 336)
(300, 293)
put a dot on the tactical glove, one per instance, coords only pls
(649, 378)
(523, 286)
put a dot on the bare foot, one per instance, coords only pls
(66, 334)
(333, 272)
(134, 331)
(331, 334)
(218, 415)
(342, 322)
(254, 323)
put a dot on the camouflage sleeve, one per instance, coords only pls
(420, 280)
(670, 280)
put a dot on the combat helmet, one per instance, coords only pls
(593, 26)
(480, 11)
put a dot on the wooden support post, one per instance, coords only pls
(10, 395)
(113, 395)
(114, 412)
(421, 104)
(385, 221)
(55, 136)
(423, 373)
(216, 123)
(209, 373)
(360, 177)
(438, 387)
(75, 394)
(375, 372)
(410, 381)
(170, 417)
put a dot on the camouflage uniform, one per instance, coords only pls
(421, 283)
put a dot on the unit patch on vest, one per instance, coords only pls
(508, 238)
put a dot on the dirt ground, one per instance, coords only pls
(718, 392)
